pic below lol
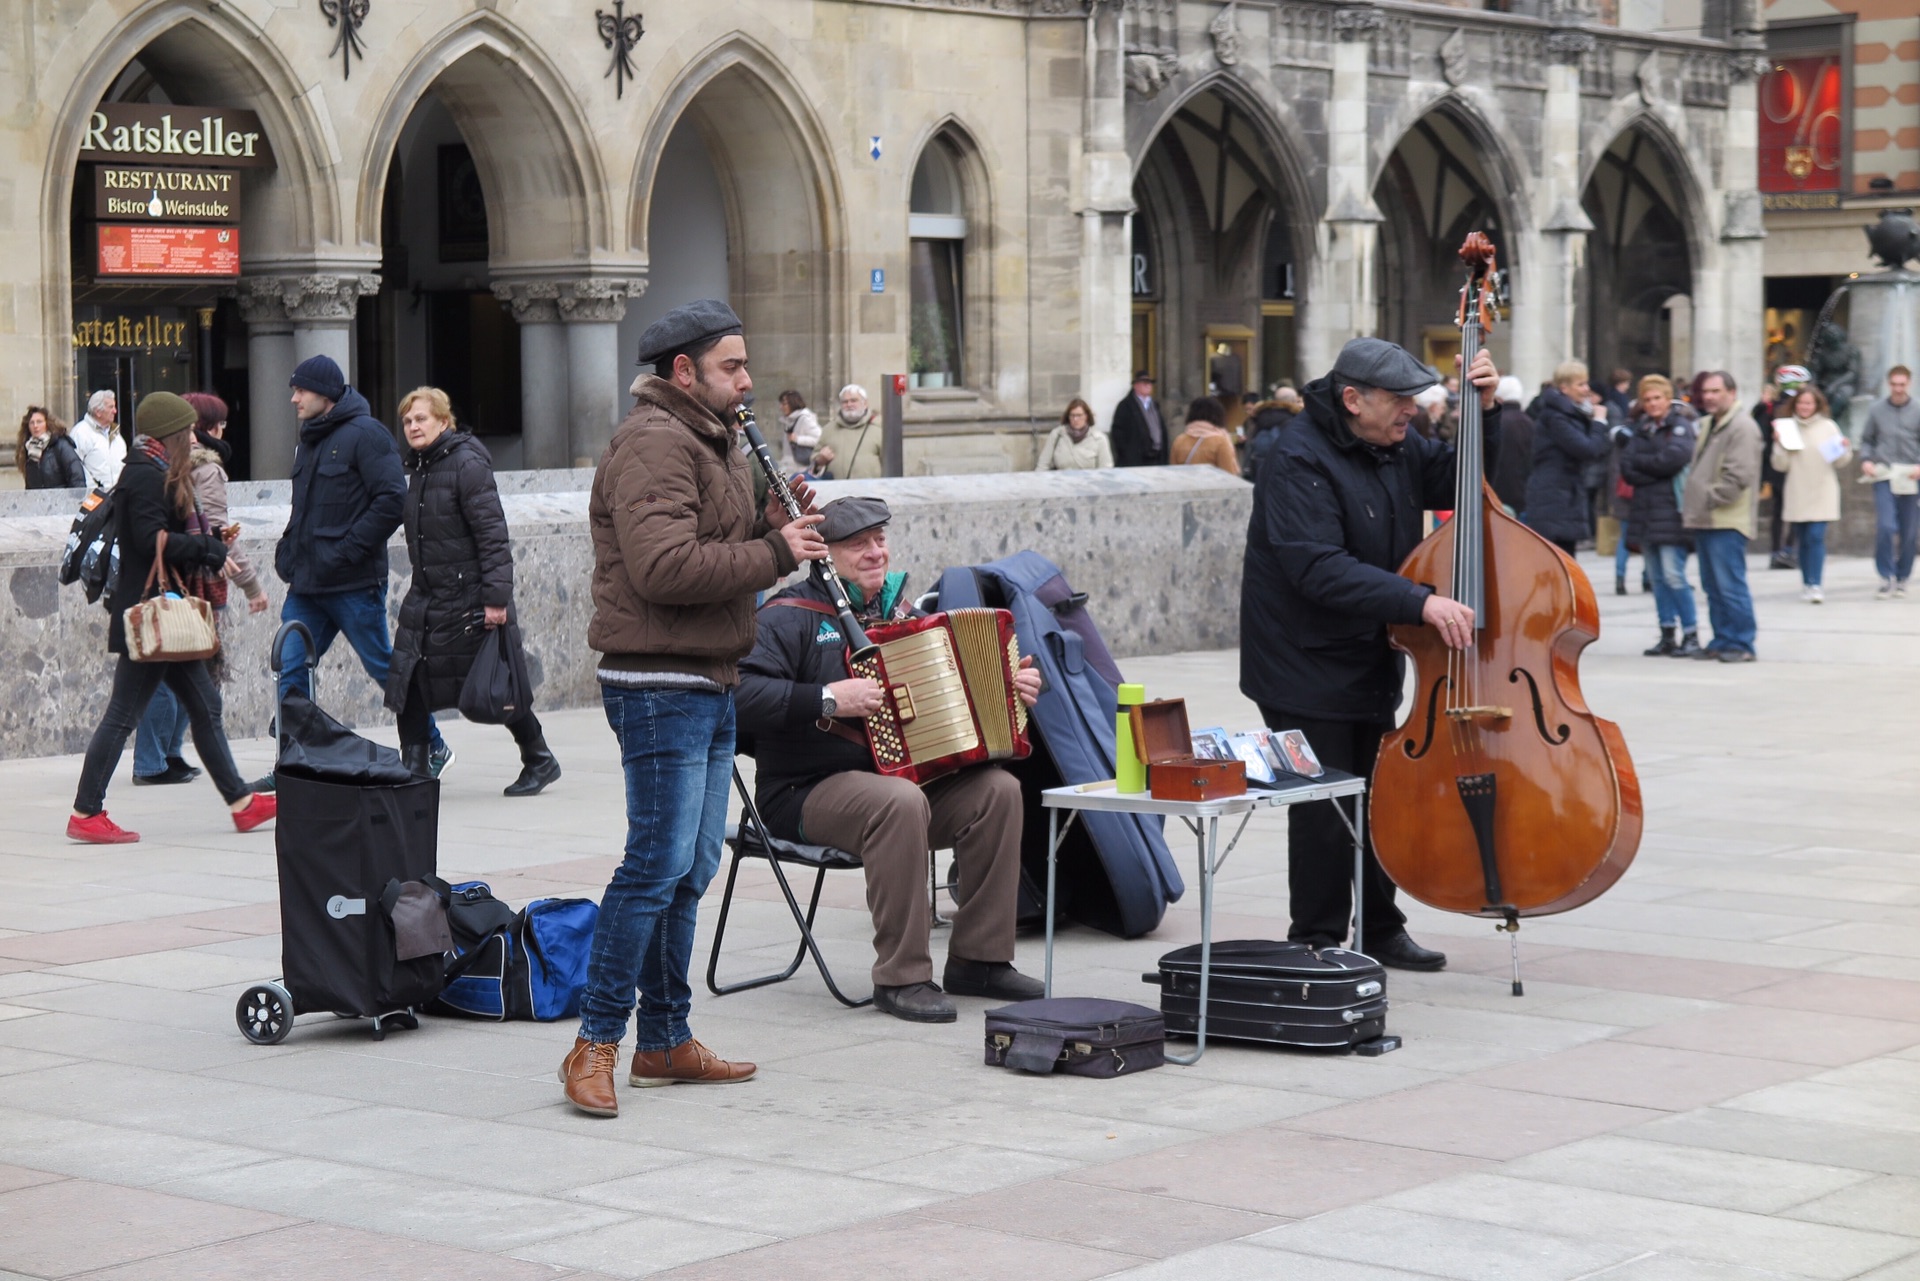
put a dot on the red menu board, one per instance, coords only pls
(169, 251)
(1801, 125)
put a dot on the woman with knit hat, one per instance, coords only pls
(154, 495)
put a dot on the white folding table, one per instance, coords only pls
(1203, 820)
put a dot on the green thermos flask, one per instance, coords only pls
(1129, 770)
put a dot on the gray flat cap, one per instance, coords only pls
(684, 326)
(846, 517)
(1379, 363)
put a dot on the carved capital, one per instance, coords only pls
(1569, 45)
(304, 299)
(1358, 22)
(260, 300)
(533, 302)
(596, 300)
(1747, 65)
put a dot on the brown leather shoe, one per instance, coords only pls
(587, 1073)
(689, 1062)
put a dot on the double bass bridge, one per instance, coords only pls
(1483, 713)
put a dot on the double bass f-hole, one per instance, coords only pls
(1555, 737)
(1433, 716)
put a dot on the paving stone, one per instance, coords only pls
(1447, 1247)
(1471, 1120)
(755, 1196)
(110, 1154)
(1890, 1203)
(324, 1252)
(1794, 1035)
(1640, 1075)
(1699, 1175)
(68, 1227)
(1101, 1217)
(966, 1167)
(908, 1246)
(1727, 1129)
(1240, 1261)
(643, 1246)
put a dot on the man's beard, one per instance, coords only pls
(856, 418)
(717, 397)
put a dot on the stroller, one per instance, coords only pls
(357, 836)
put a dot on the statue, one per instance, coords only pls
(1835, 365)
(1894, 239)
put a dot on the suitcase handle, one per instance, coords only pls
(1156, 979)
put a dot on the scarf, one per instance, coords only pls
(37, 445)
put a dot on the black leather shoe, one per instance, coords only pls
(176, 764)
(995, 979)
(418, 759)
(915, 1002)
(1402, 953)
(264, 783)
(177, 771)
(537, 769)
(1689, 646)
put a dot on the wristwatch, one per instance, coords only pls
(828, 703)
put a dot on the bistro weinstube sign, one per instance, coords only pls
(138, 133)
(122, 192)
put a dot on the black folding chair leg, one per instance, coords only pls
(806, 932)
(720, 934)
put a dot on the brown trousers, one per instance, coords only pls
(891, 824)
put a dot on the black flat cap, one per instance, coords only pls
(684, 326)
(1379, 363)
(846, 517)
(1143, 376)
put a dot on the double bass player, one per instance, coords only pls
(1336, 508)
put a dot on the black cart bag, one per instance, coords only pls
(1075, 1036)
(1277, 993)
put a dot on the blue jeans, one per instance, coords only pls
(162, 734)
(1620, 553)
(1895, 516)
(1812, 536)
(1672, 593)
(360, 616)
(677, 749)
(1723, 576)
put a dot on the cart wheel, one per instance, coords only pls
(265, 1014)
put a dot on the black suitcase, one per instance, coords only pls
(1076, 1035)
(1276, 993)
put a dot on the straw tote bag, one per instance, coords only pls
(169, 628)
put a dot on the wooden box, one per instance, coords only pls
(1162, 736)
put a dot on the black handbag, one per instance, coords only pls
(497, 689)
(1076, 1036)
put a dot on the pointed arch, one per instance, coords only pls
(1493, 144)
(977, 342)
(1651, 237)
(1696, 212)
(530, 141)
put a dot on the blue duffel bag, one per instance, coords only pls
(530, 964)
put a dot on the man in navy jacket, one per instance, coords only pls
(349, 492)
(1336, 508)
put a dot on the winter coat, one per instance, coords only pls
(1565, 439)
(59, 466)
(797, 653)
(1509, 478)
(348, 492)
(1262, 435)
(1215, 449)
(142, 510)
(1060, 452)
(462, 562)
(679, 546)
(1723, 482)
(1651, 462)
(102, 450)
(1132, 442)
(210, 490)
(1813, 485)
(856, 447)
(1333, 518)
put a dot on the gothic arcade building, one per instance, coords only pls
(1014, 202)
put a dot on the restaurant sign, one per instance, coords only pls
(142, 132)
(170, 195)
(168, 251)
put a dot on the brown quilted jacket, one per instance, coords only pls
(678, 547)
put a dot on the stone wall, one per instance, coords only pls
(1159, 551)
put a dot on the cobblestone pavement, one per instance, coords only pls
(1715, 1072)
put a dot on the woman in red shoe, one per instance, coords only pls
(155, 494)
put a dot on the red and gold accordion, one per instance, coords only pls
(946, 682)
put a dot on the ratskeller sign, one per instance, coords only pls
(128, 131)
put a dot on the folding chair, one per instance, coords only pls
(749, 838)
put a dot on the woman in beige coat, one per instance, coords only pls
(1074, 445)
(1812, 498)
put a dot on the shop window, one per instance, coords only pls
(1805, 117)
(937, 231)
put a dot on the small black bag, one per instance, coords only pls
(1076, 1035)
(497, 689)
(313, 745)
(1277, 993)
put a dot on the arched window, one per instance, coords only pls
(936, 293)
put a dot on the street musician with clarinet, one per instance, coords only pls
(815, 779)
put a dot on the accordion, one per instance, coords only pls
(946, 684)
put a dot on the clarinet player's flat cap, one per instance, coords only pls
(685, 326)
(846, 517)
(1379, 363)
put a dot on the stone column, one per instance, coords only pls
(1341, 302)
(592, 310)
(1547, 330)
(1741, 229)
(270, 422)
(544, 404)
(1106, 220)
(322, 308)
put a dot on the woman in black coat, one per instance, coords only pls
(45, 453)
(154, 495)
(1660, 449)
(1566, 438)
(462, 584)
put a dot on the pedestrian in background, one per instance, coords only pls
(154, 496)
(802, 429)
(1718, 506)
(1813, 485)
(1140, 436)
(1205, 439)
(44, 453)
(1075, 445)
(1515, 463)
(462, 588)
(1619, 396)
(1264, 427)
(97, 439)
(1655, 455)
(1776, 401)
(1890, 458)
(1435, 420)
(1566, 438)
(849, 447)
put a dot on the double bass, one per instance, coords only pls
(1502, 795)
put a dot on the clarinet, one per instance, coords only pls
(858, 646)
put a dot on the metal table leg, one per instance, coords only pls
(1357, 828)
(1056, 832)
(1208, 841)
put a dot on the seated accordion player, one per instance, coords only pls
(948, 700)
